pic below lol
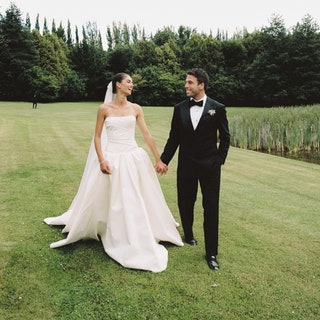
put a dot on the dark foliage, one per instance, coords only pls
(272, 66)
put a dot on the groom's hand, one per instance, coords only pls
(164, 170)
(161, 168)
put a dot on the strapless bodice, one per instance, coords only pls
(120, 133)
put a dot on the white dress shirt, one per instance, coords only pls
(196, 112)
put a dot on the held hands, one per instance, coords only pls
(161, 167)
(104, 167)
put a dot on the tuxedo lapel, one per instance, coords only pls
(206, 109)
(185, 116)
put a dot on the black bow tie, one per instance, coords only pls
(192, 103)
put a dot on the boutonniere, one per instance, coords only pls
(211, 112)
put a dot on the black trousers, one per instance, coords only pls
(187, 186)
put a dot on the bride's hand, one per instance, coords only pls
(161, 167)
(104, 167)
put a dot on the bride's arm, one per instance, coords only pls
(159, 165)
(104, 166)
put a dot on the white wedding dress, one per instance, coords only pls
(125, 210)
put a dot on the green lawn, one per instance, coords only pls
(269, 248)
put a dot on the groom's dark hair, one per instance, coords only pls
(201, 76)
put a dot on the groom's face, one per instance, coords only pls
(192, 87)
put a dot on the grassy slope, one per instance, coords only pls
(269, 248)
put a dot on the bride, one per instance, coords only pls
(119, 200)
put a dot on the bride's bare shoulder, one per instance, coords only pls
(104, 108)
(136, 107)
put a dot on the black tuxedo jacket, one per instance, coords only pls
(202, 149)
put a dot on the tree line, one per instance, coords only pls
(272, 66)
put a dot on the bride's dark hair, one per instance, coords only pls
(118, 77)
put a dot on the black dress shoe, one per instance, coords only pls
(213, 263)
(191, 242)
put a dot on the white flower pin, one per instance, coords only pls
(211, 112)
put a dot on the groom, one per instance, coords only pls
(200, 129)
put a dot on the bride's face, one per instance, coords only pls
(126, 85)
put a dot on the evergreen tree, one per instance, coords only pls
(304, 63)
(61, 33)
(53, 27)
(45, 27)
(37, 25)
(69, 35)
(28, 22)
(17, 57)
(77, 36)
(269, 70)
